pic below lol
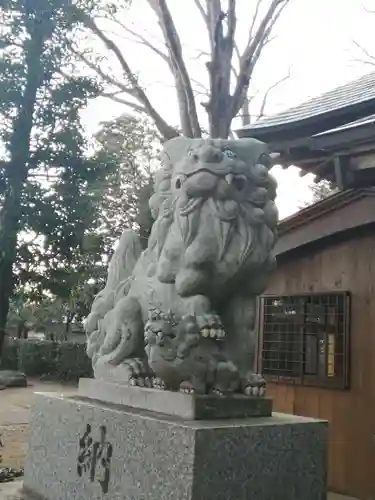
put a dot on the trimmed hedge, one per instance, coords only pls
(9, 359)
(36, 358)
(60, 361)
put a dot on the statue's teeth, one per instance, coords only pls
(205, 333)
(213, 334)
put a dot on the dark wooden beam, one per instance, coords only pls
(339, 176)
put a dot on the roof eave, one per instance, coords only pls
(315, 124)
(329, 204)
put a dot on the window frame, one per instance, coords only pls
(304, 379)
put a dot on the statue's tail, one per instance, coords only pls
(124, 259)
(120, 270)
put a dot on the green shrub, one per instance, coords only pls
(59, 361)
(36, 357)
(9, 358)
(72, 362)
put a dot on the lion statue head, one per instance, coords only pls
(215, 216)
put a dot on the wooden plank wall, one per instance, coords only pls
(351, 414)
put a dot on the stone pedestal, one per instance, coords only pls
(84, 449)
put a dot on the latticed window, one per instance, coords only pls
(305, 339)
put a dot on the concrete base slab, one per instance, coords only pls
(90, 450)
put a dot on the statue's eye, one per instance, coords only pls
(265, 160)
(193, 154)
(229, 153)
(179, 180)
(239, 182)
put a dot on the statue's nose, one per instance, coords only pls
(200, 184)
(210, 154)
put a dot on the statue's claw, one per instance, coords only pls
(158, 383)
(210, 326)
(217, 392)
(254, 385)
(187, 387)
(140, 373)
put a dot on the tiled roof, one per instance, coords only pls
(366, 120)
(355, 92)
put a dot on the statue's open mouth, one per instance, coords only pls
(226, 210)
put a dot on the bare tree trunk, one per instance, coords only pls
(220, 66)
(246, 118)
(16, 174)
(188, 111)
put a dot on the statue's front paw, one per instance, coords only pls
(227, 378)
(254, 385)
(210, 326)
(140, 373)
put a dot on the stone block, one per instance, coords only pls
(178, 404)
(12, 378)
(90, 450)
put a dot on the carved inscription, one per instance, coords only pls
(94, 457)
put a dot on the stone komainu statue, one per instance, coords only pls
(181, 314)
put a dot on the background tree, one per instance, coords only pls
(130, 145)
(320, 191)
(46, 202)
(58, 280)
(230, 68)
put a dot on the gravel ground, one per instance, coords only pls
(12, 491)
(14, 422)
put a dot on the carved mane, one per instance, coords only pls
(163, 203)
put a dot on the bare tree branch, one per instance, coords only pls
(179, 86)
(136, 90)
(213, 11)
(183, 83)
(202, 12)
(143, 40)
(104, 76)
(268, 91)
(371, 58)
(245, 115)
(116, 98)
(203, 89)
(202, 53)
(236, 50)
(252, 52)
(234, 71)
(255, 18)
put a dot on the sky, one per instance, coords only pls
(315, 43)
